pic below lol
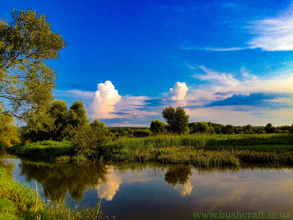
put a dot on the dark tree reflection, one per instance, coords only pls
(58, 179)
(178, 174)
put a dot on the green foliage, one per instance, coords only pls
(229, 129)
(25, 80)
(202, 127)
(8, 131)
(76, 122)
(176, 119)
(8, 209)
(20, 194)
(199, 149)
(60, 123)
(62, 210)
(58, 114)
(142, 133)
(90, 138)
(158, 127)
(44, 149)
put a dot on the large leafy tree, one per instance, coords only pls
(26, 81)
(177, 119)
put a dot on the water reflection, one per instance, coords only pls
(58, 179)
(158, 191)
(9, 165)
(108, 189)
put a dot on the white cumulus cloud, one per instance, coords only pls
(106, 97)
(178, 92)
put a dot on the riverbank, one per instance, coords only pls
(195, 149)
(19, 201)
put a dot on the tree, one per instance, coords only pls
(59, 123)
(229, 129)
(51, 127)
(91, 137)
(8, 131)
(270, 128)
(248, 129)
(76, 121)
(201, 127)
(158, 127)
(58, 112)
(176, 119)
(25, 80)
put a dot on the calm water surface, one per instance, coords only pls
(154, 191)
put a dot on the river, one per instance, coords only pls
(155, 191)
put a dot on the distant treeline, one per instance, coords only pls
(199, 127)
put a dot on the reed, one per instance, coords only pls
(206, 141)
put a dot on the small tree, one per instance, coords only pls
(176, 119)
(91, 137)
(158, 127)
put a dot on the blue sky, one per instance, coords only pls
(229, 62)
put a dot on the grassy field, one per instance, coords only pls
(196, 149)
(203, 150)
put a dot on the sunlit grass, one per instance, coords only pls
(19, 201)
(44, 149)
(203, 150)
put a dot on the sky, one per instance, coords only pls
(228, 62)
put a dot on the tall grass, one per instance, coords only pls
(204, 141)
(203, 150)
(18, 201)
(44, 149)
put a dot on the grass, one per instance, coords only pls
(208, 142)
(44, 149)
(8, 209)
(203, 150)
(197, 149)
(18, 201)
(72, 158)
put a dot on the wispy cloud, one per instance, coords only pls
(78, 94)
(273, 34)
(223, 97)
(214, 48)
(211, 75)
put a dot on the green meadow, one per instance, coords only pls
(196, 149)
